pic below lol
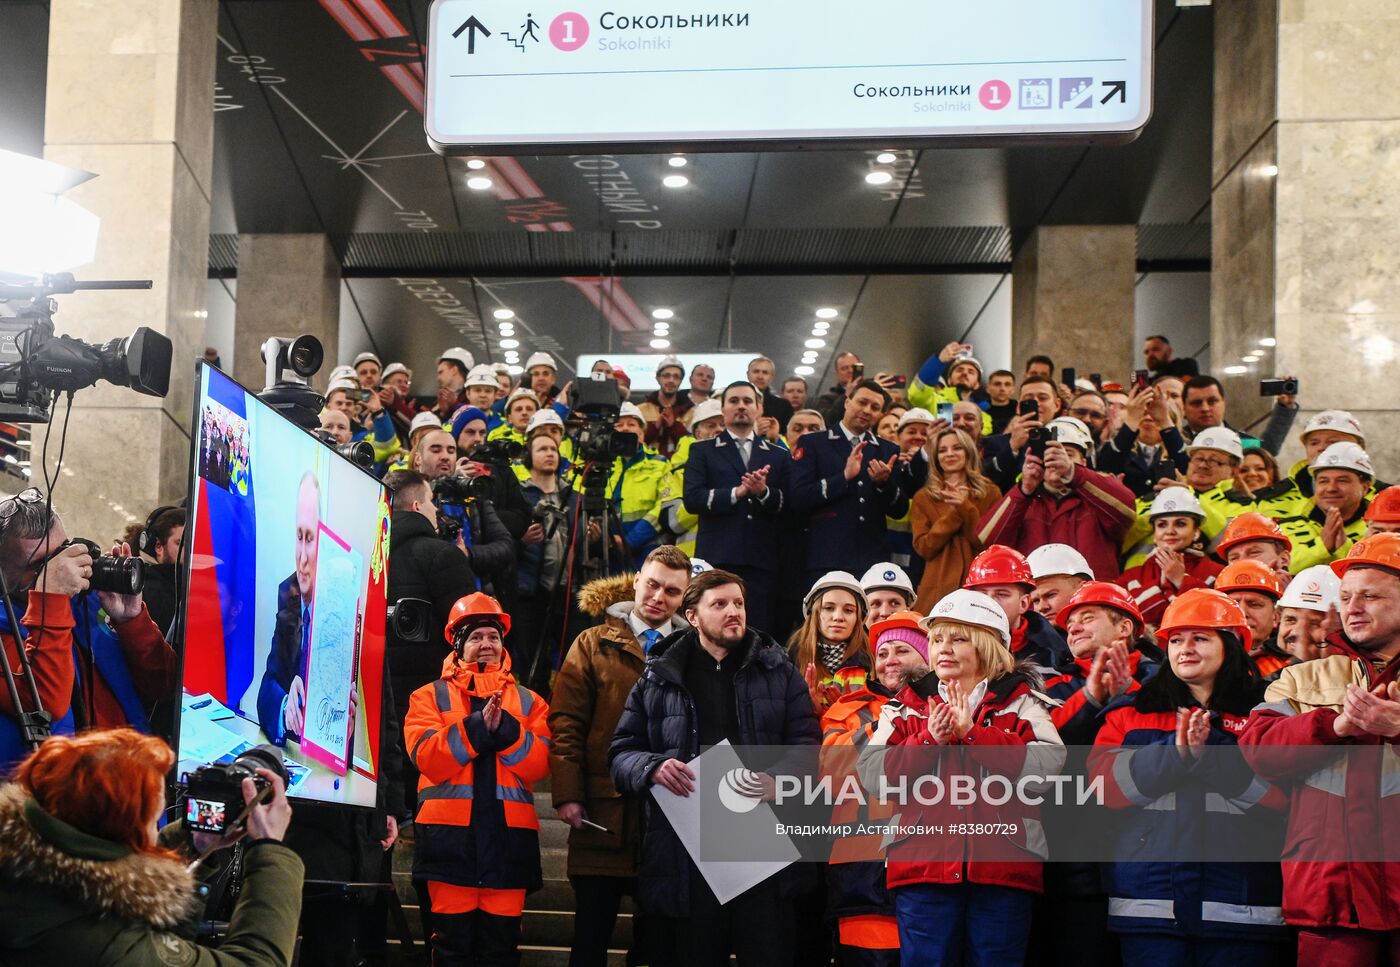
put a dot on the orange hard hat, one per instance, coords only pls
(1208, 609)
(1251, 526)
(900, 619)
(1104, 593)
(1250, 575)
(999, 564)
(1386, 507)
(1378, 550)
(475, 608)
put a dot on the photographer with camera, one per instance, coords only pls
(84, 880)
(369, 419)
(462, 491)
(101, 652)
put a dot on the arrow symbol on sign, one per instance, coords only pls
(1115, 88)
(472, 26)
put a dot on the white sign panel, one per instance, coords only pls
(524, 75)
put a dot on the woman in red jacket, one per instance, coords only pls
(1178, 562)
(480, 742)
(965, 895)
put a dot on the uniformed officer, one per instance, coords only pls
(845, 482)
(736, 483)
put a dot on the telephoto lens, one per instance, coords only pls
(119, 575)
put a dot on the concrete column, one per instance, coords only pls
(1072, 298)
(287, 285)
(129, 96)
(1305, 215)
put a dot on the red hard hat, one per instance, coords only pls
(1378, 550)
(1250, 526)
(900, 619)
(1205, 608)
(999, 564)
(1386, 507)
(1102, 593)
(473, 608)
(1250, 575)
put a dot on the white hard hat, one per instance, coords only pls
(670, 361)
(500, 369)
(522, 393)
(699, 566)
(367, 357)
(544, 417)
(482, 375)
(1314, 588)
(343, 372)
(426, 419)
(970, 608)
(1344, 456)
(844, 580)
(1070, 430)
(1051, 559)
(631, 409)
(1218, 438)
(342, 383)
(1176, 500)
(702, 411)
(917, 415)
(965, 358)
(887, 576)
(540, 359)
(460, 356)
(395, 368)
(1339, 420)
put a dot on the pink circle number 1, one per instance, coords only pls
(995, 95)
(568, 31)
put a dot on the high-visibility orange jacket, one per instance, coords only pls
(476, 823)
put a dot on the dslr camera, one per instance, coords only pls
(214, 793)
(458, 489)
(119, 575)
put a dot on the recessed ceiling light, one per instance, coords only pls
(661, 328)
(509, 343)
(804, 370)
(1235, 370)
(886, 157)
(659, 343)
(819, 330)
(504, 313)
(475, 164)
(874, 178)
(677, 161)
(1269, 171)
(507, 332)
(515, 370)
(662, 313)
(675, 181)
(479, 183)
(815, 343)
(1268, 341)
(827, 313)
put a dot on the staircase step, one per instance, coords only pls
(555, 928)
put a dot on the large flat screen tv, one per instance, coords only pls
(288, 548)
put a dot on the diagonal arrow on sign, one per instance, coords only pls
(1117, 89)
(471, 27)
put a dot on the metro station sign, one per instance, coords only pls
(522, 76)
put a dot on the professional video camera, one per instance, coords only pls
(290, 365)
(360, 453)
(214, 793)
(34, 363)
(598, 401)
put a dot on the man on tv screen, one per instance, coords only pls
(282, 695)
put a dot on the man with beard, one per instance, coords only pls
(690, 698)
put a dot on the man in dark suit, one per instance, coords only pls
(735, 483)
(844, 482)
(282, 694)
(760, 374)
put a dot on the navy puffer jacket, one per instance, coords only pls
(659, 723)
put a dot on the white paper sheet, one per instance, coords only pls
(727, 878)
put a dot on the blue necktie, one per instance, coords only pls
(649, 639)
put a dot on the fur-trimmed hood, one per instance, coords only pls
(595, 597)
(156, 890)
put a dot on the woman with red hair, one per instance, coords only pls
(84, 880)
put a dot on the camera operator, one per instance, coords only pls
(426, 567)
(543, 571)
(111, 670)
(164, 530)
(462, 507)
(83, 879)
